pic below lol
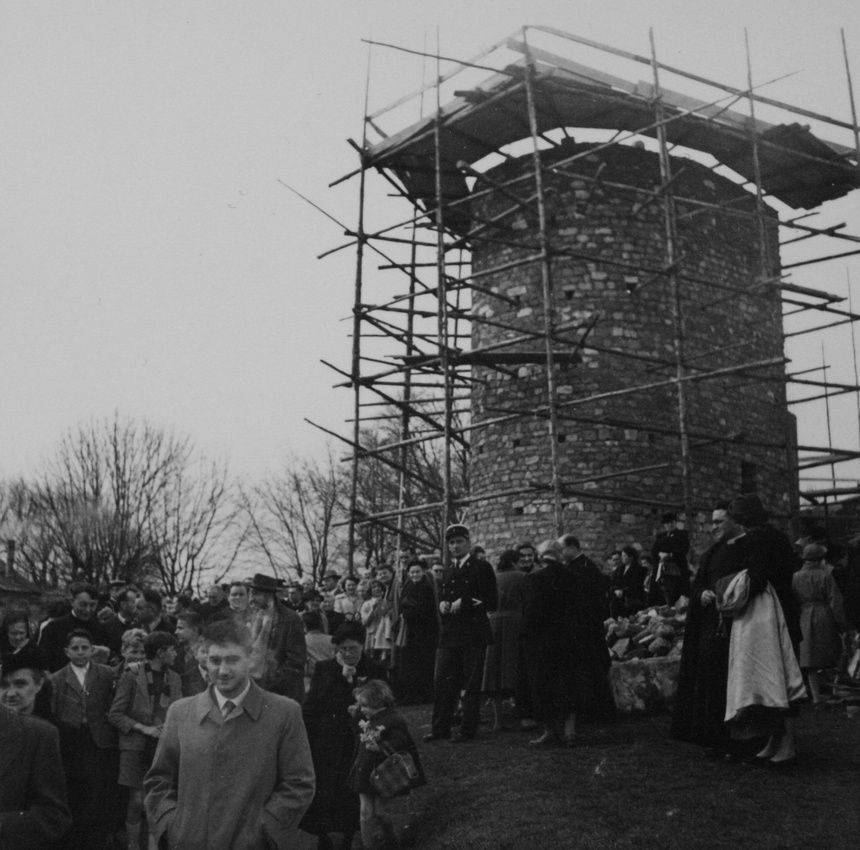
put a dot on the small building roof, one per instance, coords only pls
(797, 167)
(12, 583)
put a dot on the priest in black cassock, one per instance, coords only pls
(700, 704)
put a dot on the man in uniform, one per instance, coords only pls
(467, 594)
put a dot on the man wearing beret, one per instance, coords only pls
(467, 594)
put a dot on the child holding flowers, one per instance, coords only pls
(382, 732)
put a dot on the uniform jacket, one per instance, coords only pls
(132, 704)
(470, 626)
(73, 705)
(243, 783)
(33, 809)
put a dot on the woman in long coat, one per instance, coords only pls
(418, 632)
(821, 617)
(501, 665)
(332, 733)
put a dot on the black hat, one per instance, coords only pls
(268, 584)
(747, 510)
(456, 530)
(814, 552)
(669, 516)
(27, 658)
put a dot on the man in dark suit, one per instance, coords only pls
(565, 605)
(670, 552)
(467, 594)
(280, 651)
(82, 616)
(124, 619)
(33, 809)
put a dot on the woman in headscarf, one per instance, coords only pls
(417, 634)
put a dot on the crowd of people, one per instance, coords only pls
(133, 709)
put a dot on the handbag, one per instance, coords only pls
(396, 775)
(733, 594)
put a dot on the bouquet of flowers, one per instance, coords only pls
(369, 734)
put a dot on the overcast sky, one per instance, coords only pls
(152, 262)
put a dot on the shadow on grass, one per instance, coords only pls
(637, 788)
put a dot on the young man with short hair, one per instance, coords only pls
(81, 696)
(233, 767)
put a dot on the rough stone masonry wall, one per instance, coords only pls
(609, 435)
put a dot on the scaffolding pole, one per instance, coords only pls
(449, 369)
(671, 238)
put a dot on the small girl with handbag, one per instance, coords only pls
(386, 764)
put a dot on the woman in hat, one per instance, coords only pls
(821, 617)
(24, 687)
(417, 634)
(332, 734)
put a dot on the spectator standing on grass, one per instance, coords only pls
(670, 549)
(376, 619)
(332, 735)
(16, 633)
(188, 635)
(150, 615)
(233, 767)
(318, 643)
(566, 604)
(84, 598)
(821, 618)
(527, 557)
(764, 684)
(501, 666)
(279, 651)
(468, 594)
(81, 697)
(34, 813)
(382, 732)
(417, 634)
(23, 686)
(700, 703)
(628, 580)
(215, 605)
(348, 602)
(126, 618)
(239, 603)
(139, 708)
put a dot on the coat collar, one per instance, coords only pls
(205, 702)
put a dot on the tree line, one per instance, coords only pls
(121, 499)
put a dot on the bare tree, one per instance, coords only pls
(36, 556)
(291, 517)
(409, 476)
(195, 528)
(125, 500)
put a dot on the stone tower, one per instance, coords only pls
(608, 244)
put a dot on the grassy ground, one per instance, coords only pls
(639, 790)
